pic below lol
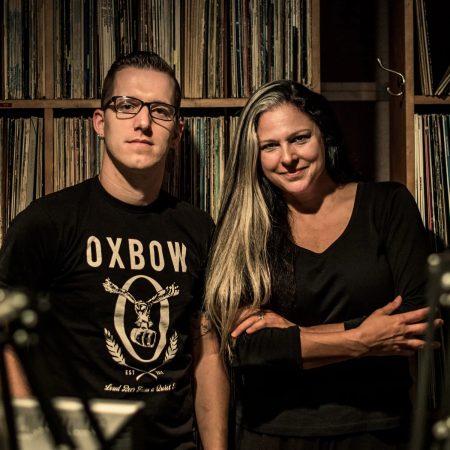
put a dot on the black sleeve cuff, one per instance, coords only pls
(354, 323)
(268, 347)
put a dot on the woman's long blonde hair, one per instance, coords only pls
(239, 270)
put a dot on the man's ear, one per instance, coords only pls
(177, 133)
(98, 121)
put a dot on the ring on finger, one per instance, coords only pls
(261, 315)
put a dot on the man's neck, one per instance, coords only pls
(135, 189)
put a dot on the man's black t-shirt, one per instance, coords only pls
(124, 282)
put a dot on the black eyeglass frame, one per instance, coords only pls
(112, 102)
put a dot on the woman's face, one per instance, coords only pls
(292, 152)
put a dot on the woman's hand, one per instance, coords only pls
(251, 320)
(384, 333)
(381, 334)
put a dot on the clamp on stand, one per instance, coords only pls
(21, 317)
(433, 392)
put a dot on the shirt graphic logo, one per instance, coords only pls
(151, 338)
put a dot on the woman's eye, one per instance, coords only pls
(301, 138)
(269, 146)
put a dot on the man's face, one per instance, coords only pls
(139, 143)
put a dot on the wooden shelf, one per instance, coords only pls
(350, 91)
(428, 100)
(95, 103)
(49, 104)
(213, 102)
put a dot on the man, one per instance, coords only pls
(123, 262)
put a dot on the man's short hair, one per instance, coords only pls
(140, 60)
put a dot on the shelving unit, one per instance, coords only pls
(353, 35)
(402, 109)
(49, 105)
(356, 88)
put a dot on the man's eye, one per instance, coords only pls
(127, 107)
(161, 111)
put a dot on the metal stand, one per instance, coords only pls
(433, 433)
(20, 319)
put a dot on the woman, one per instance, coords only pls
(314, 284)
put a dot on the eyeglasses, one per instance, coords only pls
(127, 107)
